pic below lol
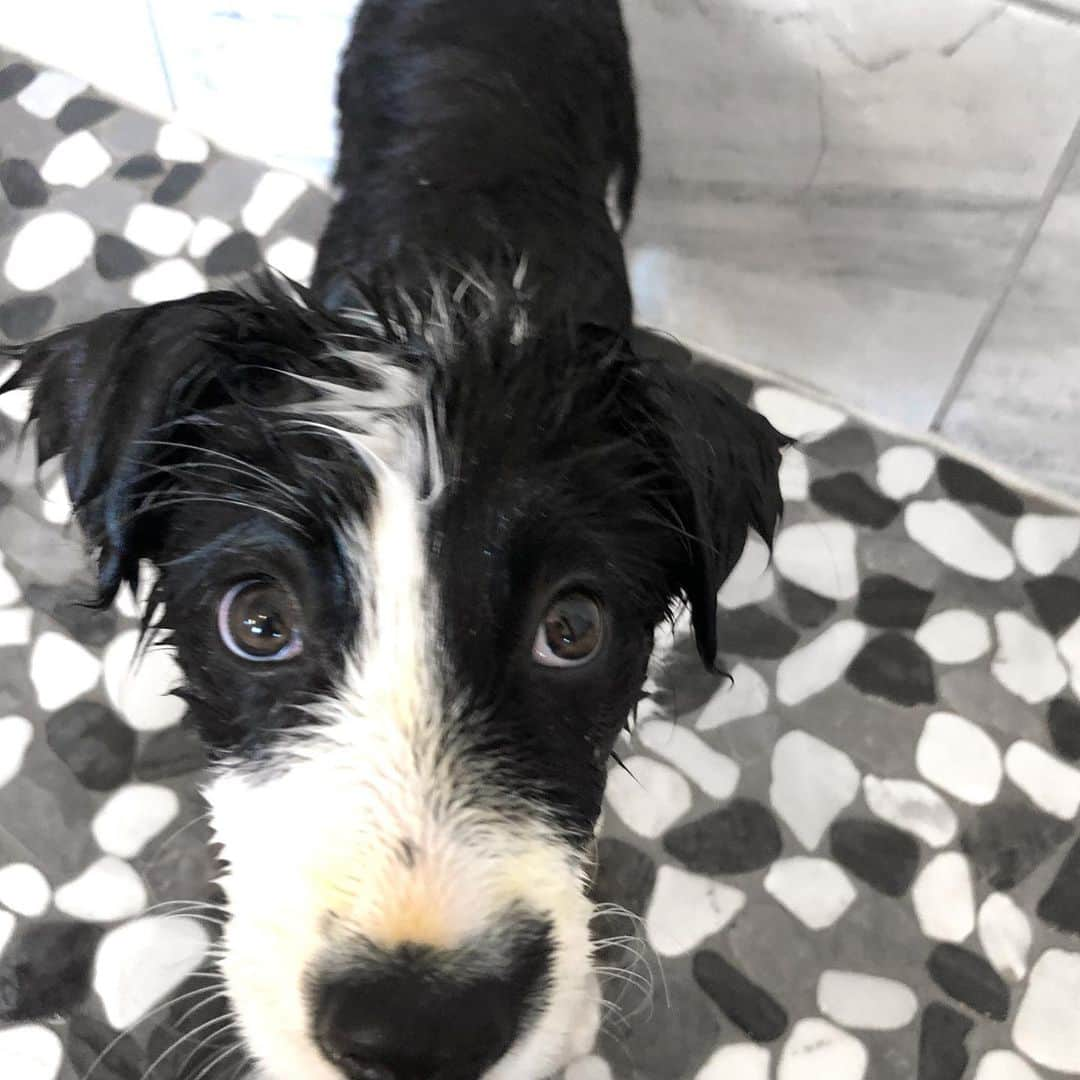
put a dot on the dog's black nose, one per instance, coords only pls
(417, 1015)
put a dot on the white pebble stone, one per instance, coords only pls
(16, 404)
(47, 248)
(15, 626)
(811, 783)
(816, 1049)
(944, 898)
(176, 143)
(795, 415)
(816, 891)
(954, 535)
(61, 670)
(172, 279)
(1069, 647)
(816, 666)
(746, 695)
(23, 889)
(162, 230)
(30, 1052)
(55, 504)
(207, 234)
(16, 735)
(1044, 541)
(1048, 782)
(292, 257)
(132, 816)
(904, 470)
(686, 908)
(960, 758)
(1027, 662)
(273, 195)
(106, 891)
(588, 1068)
(1004, 1065)
(10, 592)
(743, 1061)
(1047, 1027)
(954, 637)
(715, 773)
(819, 556)
(78, 160)
(7, 928)
(867, 1002)
(1005, 935)
(49, 93)
(648, 796)
(750, 580)
(139, 963)
(139, 688)
(794, 476)
(914, 806)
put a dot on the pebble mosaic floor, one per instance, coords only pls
(861, 859)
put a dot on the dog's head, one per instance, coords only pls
(411, 559)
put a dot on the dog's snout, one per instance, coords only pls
(418, 1014)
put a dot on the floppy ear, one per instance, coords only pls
(103, 388)
(722, 461)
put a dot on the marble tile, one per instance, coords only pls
(258, 76)
(109, 43)
(835, 188)
(1020, 402)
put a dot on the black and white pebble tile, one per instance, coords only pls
(859, 859)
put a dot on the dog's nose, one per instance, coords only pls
(420, 1019)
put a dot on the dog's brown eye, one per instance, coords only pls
(259, 620)
(570, 633)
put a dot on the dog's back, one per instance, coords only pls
(473, 131)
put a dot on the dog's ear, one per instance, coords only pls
(720, 461)
(104, 391)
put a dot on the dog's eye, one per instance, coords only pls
(570, 633)
(259, 620)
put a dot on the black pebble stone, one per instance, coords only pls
(885, 857)
(969, 979)
(21, 183)
(893, 667)
(750, 1008)
(140, 167)
(14, 79)
(942, 1053)
(684, 684)
(94, 743)
(1060, 904)
(1008, 840)
(47, 970)
(23, 316)
(850, 497)
(234, 255)
(93, 1044)
(805, 608)
(1056, 600)
(179, 180)
(969, 485)
(117, 258)
(739, 837)
(1063, 719)
(750, 631)
(892, 603)
(624, 876)
(173, 752)
(82, 112)
(69, 608)
(846, 447)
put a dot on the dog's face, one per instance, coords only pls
(411, 565)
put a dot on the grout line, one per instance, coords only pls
(1023, 250)
(1046, 8)
(1007, 475)
(161, 54)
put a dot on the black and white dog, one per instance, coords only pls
(414, 530)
